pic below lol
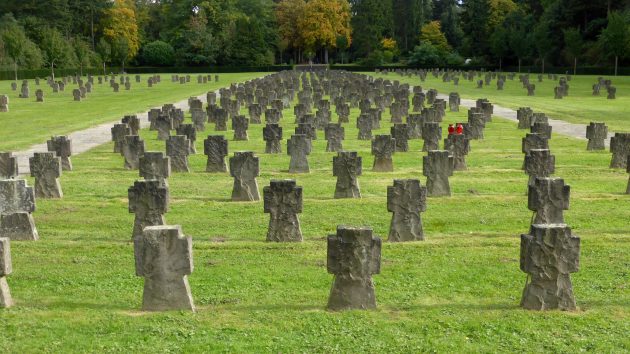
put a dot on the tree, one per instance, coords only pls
(499, 9)
(288, 12)
(615, 38)
(82, 52)
(425, 55)
(120, 51)
(120, 29)
(409, 16)
(55, 49)
(371, 21)
(542, 41)
(323, 21)
(431, 33)
(499, 44)
(518, 26)
(158, 53)
(475, 25)
(104, 50)
(573, 45)
(450, 21)
(17, 47)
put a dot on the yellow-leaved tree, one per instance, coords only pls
(322, 22)
(120, 29)
(432, 33)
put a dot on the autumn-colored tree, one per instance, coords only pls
(288, 12)
(120, 27)
(431, 33)
(322, 22)
(499, 9)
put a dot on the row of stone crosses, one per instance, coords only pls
(85, 87)
(406, 199)
(560, 91)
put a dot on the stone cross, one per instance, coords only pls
(477, 123)
(245, 167)
(17, 203)
(406, 199)
(283, 201)
(299, 147)
(190, 132)
(178, 149)
(220, 119)
(383, 147)
(628, 170)
(534, 141)
(396, 112)
(62, 147)
(132, 149)
(539, 163)
(347, 166)
(255, 112)
(133, 122)
(272, 134)
(343, 113)
(400, 132)
(549, 254)
(354, 254)
(620, 148)
(155, 166)
(4, 103)
(240, 124)
(364, 123)
(272, 116)
(431, 133)
(46, 168)
(531, 90)
(164, 124)
(437, 166)
(414, 122)
(164, 258)
(454, 101)
(524, 116)
(216, 148)
(542, 128)
(8, 165)
(612, 93)
(39, 95)
(76, 93)
(306, 129)
(548, 198)
(596, 133)
(6, 268)
(335, 134)
(199, 119)
(458, 146)
(148, 200)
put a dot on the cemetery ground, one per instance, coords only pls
(31, 123)
(457, 291)
(579, 107)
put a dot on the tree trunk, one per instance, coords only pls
(616, 62)
(104, 70)
(92, 27)
(81, 70)
(519, 65)
(15, 68)
(543, 65)
(52, 70)
(500, 64)
(575, 66)
(326, 55)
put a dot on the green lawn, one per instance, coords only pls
(579, 107)
(29, 122)
(458, 291)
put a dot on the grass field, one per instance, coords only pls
(28, 122)
(579, 107)
(458, 291)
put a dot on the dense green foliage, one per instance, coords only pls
(97, 33)
(458, 291)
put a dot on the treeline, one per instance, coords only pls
(101, 33)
